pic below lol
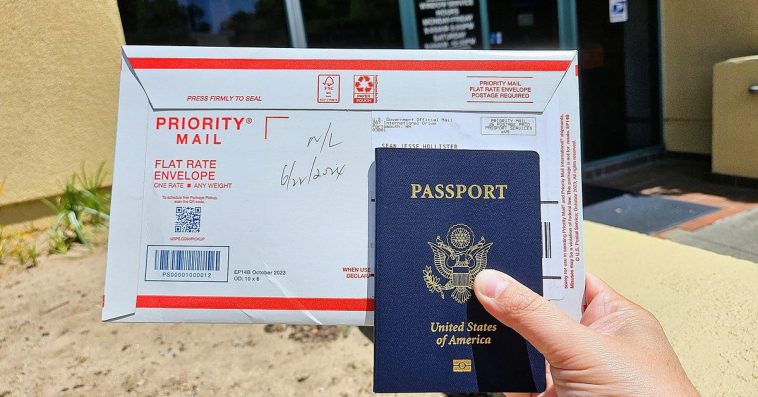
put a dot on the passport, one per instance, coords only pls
(443, 216)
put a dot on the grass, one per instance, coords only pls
(24, 252)
(3, 245)
(84, 203)
(18, 246)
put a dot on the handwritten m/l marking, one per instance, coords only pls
(323, 139)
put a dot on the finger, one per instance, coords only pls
(595, 310)
(549, 392)
(545, 326)
(548, 377)
(601, 300)
(594, 286)
(549, 385)
(595, 298)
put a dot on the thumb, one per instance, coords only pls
(545, 326)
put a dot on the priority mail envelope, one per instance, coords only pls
(243, 185)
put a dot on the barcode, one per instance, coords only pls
(548, 246)
(199, 260)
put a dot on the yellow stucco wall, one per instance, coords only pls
(706, 302)
(735, 117)
(695, 35)
(59, 65)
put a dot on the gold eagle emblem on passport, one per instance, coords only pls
(459, 260)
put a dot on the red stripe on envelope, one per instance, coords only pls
(253, 303)
(351, 64)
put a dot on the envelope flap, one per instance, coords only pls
(120, 294)
(263, 78)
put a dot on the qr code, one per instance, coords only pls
(187, 220)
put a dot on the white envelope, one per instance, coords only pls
(242, 176)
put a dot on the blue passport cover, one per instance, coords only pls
(442, 216)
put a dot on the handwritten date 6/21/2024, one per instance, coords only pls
(291, 177)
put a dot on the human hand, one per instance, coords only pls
(617, 349)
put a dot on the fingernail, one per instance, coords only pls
(491, 283)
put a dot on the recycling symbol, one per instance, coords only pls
(364, 84)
